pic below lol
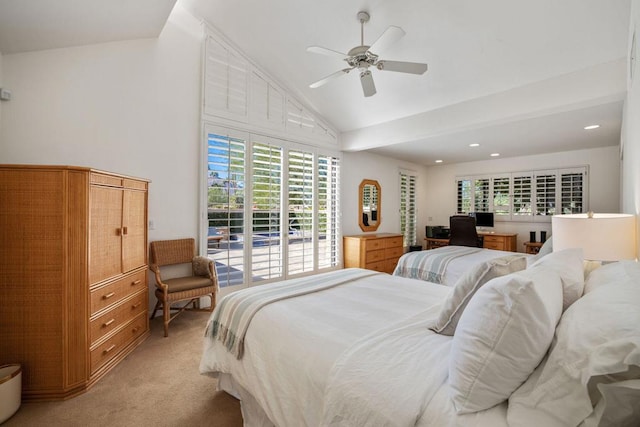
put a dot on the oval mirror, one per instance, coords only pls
(370, 205)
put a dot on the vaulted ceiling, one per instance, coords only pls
(518, 77)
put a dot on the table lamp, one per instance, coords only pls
(602, 237)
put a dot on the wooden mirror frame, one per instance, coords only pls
(369, 226)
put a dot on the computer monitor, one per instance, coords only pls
(483, 219)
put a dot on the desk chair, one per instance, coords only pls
(463, 231)
(202, 282)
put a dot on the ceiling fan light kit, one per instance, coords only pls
(362, 57)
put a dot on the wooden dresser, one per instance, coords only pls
(379, 252)
(73, 274)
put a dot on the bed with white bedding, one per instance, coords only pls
(360, 351)
(446, 264)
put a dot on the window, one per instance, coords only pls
(524, 196)
(408, 216)
(290, 197)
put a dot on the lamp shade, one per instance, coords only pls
(602, 237)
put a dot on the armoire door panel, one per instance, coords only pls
(134, 224)
(105, 251)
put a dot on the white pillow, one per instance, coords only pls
(609, 273)
(595, 354)
(569, 264)
(467, 286)
(502, 336)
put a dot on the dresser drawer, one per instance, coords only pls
(375, 266)
(394, 242)
(373, 244)
(111, 347)
(117, 290)
(117, 316)
(396, 252)
(372, 256)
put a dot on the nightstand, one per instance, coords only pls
(532, 247)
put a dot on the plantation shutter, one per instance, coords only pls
(408, 217)
(545, 188)
(463, 205)
(226, 75)
(522, 196)
(481, 195)
(301, 201)
(573, 190)
(267, 229)
(502, 197)
(328, 211)
(225, 202)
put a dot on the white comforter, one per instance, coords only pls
(358, 354)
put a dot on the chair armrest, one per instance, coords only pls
(156, 270)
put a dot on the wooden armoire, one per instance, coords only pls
(73, 274)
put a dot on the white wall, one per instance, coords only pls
(129, 107)
(630, 175)
(604, 194)
(1, 104)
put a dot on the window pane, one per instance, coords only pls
(225, 206)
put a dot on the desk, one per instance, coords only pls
(497, 241)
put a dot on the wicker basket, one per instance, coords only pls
(10, 390)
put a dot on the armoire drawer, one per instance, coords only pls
(115, 344)
(117, 290)
(113, 319)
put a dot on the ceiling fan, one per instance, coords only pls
(362, 57)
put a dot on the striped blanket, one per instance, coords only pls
(430, 265)
(231, 318)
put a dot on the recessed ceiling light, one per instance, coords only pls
(591, 127)
(475, 144)
(495, 154)
(438, 161)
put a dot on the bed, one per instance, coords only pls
(356, 347)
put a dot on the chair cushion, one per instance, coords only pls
(180, 284)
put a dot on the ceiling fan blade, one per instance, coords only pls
(389, 37)
(325, 51)
(368, 87)
(402, 67)
(330, 77)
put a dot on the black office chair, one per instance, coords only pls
(463, 231)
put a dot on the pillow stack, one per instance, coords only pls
(507, 328)
(592, 373)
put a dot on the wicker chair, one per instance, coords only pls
(202, 282)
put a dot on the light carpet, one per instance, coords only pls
(158, 384)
